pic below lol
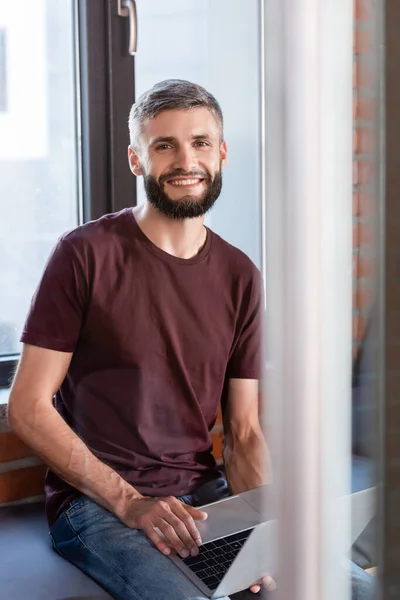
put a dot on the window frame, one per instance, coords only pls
(3, 74)
(104, 74)
(107, 89)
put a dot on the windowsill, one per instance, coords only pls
(4, 394)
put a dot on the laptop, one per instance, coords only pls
(239, 541)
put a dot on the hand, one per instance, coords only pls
(266, 582)
(173, 518)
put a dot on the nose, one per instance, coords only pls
(185, 158)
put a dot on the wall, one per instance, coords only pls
(364, 173)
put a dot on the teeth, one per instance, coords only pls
(185, 182)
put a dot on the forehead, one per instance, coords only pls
(181, 124)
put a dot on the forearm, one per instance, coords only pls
(44, 430)
(247, 461)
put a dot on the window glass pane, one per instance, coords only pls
(38, 158)
(215, 43)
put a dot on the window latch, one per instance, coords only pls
(127, 8)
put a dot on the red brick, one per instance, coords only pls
(355, 141)
(355, 297)
(362, 298)
(356, 266)
(365, 109)
(11, 447)
(359, 324)
(366, 74)
(355, 74)
(356, 204)
(355, 105)
(366, 204)
(366, 267)
(363, 41)
(363, 172)
(363, 140)
(355, 172)
(364, 10)
(366, 234)
(356, 235)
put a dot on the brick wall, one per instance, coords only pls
(364, 171)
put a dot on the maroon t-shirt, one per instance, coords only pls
(154, 339)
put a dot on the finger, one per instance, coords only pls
(157, 540)
(185, 525)
(255, 588)
(187, 534)
(268, 583)
(173, 538)
(198, 515)
(188, 520)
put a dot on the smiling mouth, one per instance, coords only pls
(185, 182)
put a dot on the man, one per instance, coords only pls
(144, 321)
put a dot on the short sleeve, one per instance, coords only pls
(245, 360)
(56, 312)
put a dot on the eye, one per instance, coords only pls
(163, 147)
(201, 144)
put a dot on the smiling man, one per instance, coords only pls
(144, 323)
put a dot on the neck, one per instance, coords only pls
(183, 239)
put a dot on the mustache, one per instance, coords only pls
(182, 173)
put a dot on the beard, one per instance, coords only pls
(187, 207)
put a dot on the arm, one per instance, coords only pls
(34, 419)
(246, 454)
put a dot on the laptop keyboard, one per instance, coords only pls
(215, 558)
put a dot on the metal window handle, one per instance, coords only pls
(127, 8)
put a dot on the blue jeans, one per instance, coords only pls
(125, 563)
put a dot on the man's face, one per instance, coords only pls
(181, 158)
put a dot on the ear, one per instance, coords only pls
(134, 162)
(223, 151)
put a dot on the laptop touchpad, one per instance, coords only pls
(227, 516)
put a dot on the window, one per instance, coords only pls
(3, 80)
(215, 43)
(63, 138)
(38, 150)
(64, 135)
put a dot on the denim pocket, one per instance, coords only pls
(84, 514)
(75, 505)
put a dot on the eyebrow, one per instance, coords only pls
(201, 136)
(170, 139)
(160, 139)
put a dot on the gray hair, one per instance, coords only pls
(171, 94)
